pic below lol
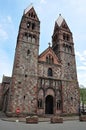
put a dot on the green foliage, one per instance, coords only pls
(83, 95)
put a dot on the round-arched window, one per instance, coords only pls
(50, 73)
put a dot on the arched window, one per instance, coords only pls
(33, 26)
(28, 24)
(58, 104)
(46, 59)
(28, 52)
(26, 34)
(52, 60)
(32, 14)
(33, 39)
(64, 36)
(50, 72)
(49, 59)
(68, 37)
(40, 104)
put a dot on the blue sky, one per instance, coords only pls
(74, 12)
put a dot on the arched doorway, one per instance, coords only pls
(49, 105)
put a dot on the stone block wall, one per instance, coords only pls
(70, 97)
(43, 70)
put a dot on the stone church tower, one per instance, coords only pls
(47, 83)
(23, 91)
(63, 46)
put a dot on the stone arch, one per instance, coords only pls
(50, 91)
(50, 72)
(40, 98)
(49, 101)
(41, 93)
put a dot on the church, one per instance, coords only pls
(42, 84)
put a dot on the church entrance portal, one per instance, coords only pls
(49, 105)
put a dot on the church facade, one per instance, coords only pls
(42, 84)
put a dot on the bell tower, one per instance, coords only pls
(23, 89)
(63, 46)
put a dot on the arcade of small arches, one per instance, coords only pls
(31, 25)
(67, 48)
(49, 59)
(32, 15)
(29, 38)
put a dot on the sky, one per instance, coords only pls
(73, 11)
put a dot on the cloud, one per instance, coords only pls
(43, 1)
(5, 64)
(81, 60)
(78, 6)
(3, 34)
(5, 25)
(81, 56)
(81, 68)
(6, 43)
(82, 78)
(9, 19)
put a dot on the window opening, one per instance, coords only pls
(50, 72)
(68, 64)
(58, 104)
(29, 14)
(40, 103)
(24, 97)
(33, 25)
(28, 52)
(25, 75)
(32, 14)
(46, 59)
(49, 59)
(68, 37)
(28, 24)
(26, 35)
(19, 82)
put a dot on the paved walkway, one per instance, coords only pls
(70, 123)
(20, 119)
(66, 125)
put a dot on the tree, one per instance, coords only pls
(82, 97)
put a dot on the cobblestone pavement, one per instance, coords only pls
(66, 125)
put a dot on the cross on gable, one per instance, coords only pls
(49, 44)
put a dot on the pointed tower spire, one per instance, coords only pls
(59, 20)
(28, 8)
